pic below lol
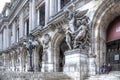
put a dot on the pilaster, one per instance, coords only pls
(47, 11)
(36, 62)
(38, 17)
(30, 15)
(59, 5)
(20, 62)
(21, 24)
(7, 36)
(52, 8)
(33, 14)
(13, 33)
(0, 41)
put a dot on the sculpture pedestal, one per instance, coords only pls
(92, 66)
(76, 60)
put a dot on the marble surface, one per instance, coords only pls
(76, 61)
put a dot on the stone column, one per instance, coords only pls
(4, 38)
(13, 61)
(36, 60)
(52, 8)
(97, 48)
(6, 59)
(4, 63)
(102, 46)
(50, 60)
(4, 42)
(7, 33)
(59, 5)
(56, 6)
(30, 15)
(0, 40)
(25, 29)
(21, 24)
(21, 62)
(38, 17)
(47, 11)
(92, 65)
(33, 14)
(13, 32)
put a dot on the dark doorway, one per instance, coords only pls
(113, 54)
(113, 44)
(40, 58)
(63, 48)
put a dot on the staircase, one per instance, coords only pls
(113, 75)
(34, 76)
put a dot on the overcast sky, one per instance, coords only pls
(2, 3)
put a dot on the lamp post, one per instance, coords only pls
(30, 44)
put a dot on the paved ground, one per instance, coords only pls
(114, 75)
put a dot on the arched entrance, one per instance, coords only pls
(38, 58)
(113, 44)
(103, 16)
(59, 47)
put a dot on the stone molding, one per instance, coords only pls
(80, 51)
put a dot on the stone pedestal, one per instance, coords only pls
(92, 66)
(47, 67)
(76, 61)
(44, 67)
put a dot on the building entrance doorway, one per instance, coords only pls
(113, 44)
(113, 54)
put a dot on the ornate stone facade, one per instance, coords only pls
(69, 39)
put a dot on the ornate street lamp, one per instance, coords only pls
(30, 44)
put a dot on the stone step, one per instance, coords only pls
(114, 75)
(35, 76)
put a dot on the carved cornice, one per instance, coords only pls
(76, 51)
(36, 31)
(15, 12)
(56, 18)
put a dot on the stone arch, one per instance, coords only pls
(55, 43)
(38, 57)
(3, 26)
(104, 15)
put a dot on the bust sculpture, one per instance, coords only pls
(46, 40)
